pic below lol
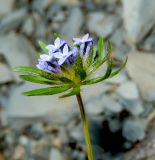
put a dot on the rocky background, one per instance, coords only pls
(120, 110)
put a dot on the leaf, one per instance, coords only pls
(65, 79)
(37, 79)
(46, 91)
(35, 71)
(98, 79)
(55, 36)
(78, 67)
(99, 62)
(28, 70)
(119, 69)
(100, 46)
(74, 91)
(43, 46)
(90, 57)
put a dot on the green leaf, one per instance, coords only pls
(119, 69)
(100, 46)
(99, 62)
(28, 70)
(55, 36)
(43, 46)
(35, 71)
(74, 91)
(109, 47)
(90, 57)
(98, 79)
(38, 79)
(78, 67)
(46, 91)
(65, 80)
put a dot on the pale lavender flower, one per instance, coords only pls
(84, 39)
(63, 56)
(43, 65)
(84, 42)
(58, 43)
(46, 57)
(74, 53)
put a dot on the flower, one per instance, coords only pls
(84, 39)
(85, 42)
(43, 65)
(63, 56)
(58, 43)
(66, 69)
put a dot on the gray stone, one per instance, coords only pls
(22, 110)
(6, 7)
(55, 154)
(129, 96)
(142, 75)
(148, 44)
(134, 129)
(151, 96)
(18, 52)
(28, 26)
(68, 2)
(96, 90)
(102, 24)
(128, 90)
(114, 125)
(13, 20)
(5, 74)
(40, 5)
(111, 105)
(72, 26)
(142, 13)
(95, 106)
(59, 17)
(76, 133)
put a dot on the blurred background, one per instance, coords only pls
(120, 110)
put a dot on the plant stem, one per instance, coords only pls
(85, 127)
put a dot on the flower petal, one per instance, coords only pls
(65, 50)
(58, 55)
(85, 37)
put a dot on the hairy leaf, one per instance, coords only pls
(99, 62)
(74, 91)
(98, 79)
(46, 91)
(100, 46)
(119, 69)
(78, 67)
(38, 79)
(43, 46)
(35, 71)
(90, 57)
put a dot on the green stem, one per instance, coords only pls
(85, 127)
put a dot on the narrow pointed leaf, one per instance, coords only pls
(46, 91)
(99, 62)
(100, 46)
(43, 46)
(78, 67)
(56, 35)
(35, 71)
(28, 70)
(119, 69)
(38, 79)
(90, 57)
(74, 91)
(98, 79)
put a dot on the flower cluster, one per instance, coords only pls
(67, 68)
(60, 53)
